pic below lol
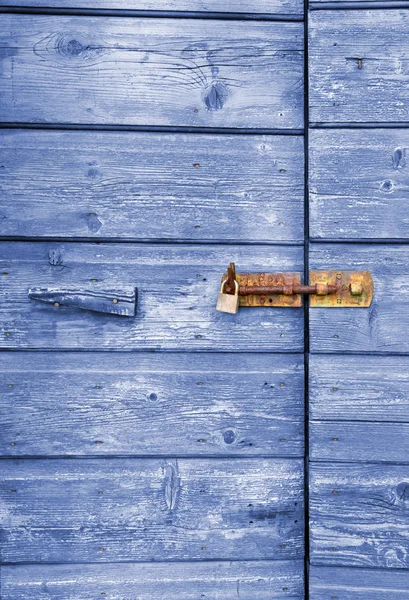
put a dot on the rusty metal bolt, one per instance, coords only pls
(356, 288)
(321, 289)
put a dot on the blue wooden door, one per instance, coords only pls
(161, 454)
(359, 218)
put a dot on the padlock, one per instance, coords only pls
(228, 303)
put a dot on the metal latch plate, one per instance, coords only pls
(265, 279)
(355, 289)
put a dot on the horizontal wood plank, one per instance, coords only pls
(354, 402)
(359, 441)
(122, 510)
(359, 515)
(184, 405)
(151, 186)
(358, 67)
(384, 325)
(358, 584)
(259, 580)
(371, 388)
(155, 72)
(369, 202)
(177, 293)
(264, 7)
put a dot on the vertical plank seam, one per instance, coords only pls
(306, 304)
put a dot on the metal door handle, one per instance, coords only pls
(113, 302)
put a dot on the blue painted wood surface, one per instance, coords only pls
(263, 580)
(247, 7)
(359, 184)
(359, 514)
(344, 90)
(167, 72)
(123, 510)
(364, 388)
(227, 404)
(359, 441)
(359, 408)
(383, 327)
(358, 584)
(151, 186)
(177, 289)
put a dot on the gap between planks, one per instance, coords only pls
(151, 128)
(152, 14)
(359, 125)
(357, 5)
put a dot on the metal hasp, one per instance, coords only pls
(327, 289)
(112, 302)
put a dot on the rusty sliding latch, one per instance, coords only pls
(327, 289)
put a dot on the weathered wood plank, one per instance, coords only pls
(177, 289)
(365, 202)
(107, 510)
(358, 584)
(381, 328)
(259, 580)
(139, 71)
(184, 405)
(359, 514)
(151, 186)
(359, 441)
(371, 388)
(264, 7)
(354, 402)
(358, 67)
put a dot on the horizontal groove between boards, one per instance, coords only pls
(352, 352)
(362, 241)
(148, 351)
(147, 241)
(150, 128)
(358, 5)
(330, 462)
(353, 421)
(159, 457)
(106, 12)
(372, 125)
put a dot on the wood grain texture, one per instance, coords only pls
(359, 514)
(264, 7)
(359, 441)
(358, 584)
(369, 201)
(184, 405)
(381, 328)
(123, 510)
(167, 72)
(353, 402)
(151, 186)
(177, 289)
(368, 388)
(342, 89)
(261, 580)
